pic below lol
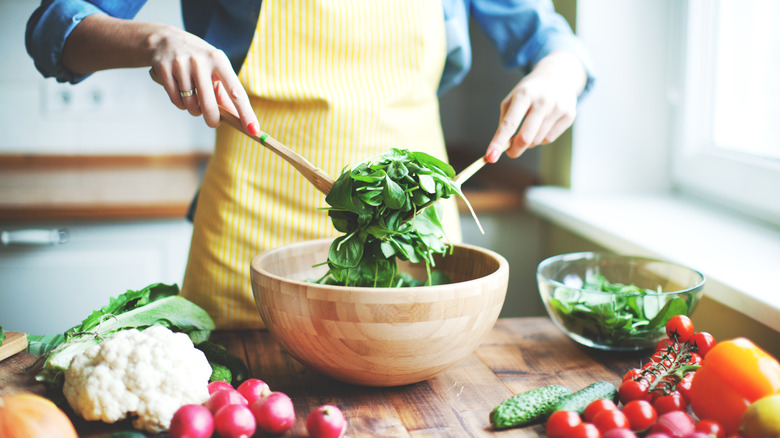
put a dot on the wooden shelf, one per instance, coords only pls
(37, 188)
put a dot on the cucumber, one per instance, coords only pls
(528, 407)
(220, 372)
(581, 399)
(217, 354)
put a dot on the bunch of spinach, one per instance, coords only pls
(386, 208)
(155, 304)
(623, 318)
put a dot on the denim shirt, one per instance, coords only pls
(523, 31)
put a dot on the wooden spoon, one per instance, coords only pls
(314, 174)
(470, 170)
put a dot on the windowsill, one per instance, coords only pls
(739, 258)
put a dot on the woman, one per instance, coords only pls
(338, 81)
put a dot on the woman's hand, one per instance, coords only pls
(196, 75)
(544, 102)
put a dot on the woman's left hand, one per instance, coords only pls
(544, 102)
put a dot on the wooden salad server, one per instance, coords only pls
(314, 174)
(321, 180)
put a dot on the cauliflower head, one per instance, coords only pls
(147, 374)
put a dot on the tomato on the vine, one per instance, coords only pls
(703, 342)
(597, 406)
(684, 387)
(611, 419)
(695, 359)
(679, 328)
(633, 390)
(561, 423)
(632, 374)
(664, 344)
(673, 401)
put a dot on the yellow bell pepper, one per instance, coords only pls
(733, 375)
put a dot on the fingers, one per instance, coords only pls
(199, 78)
(513, 111)
(233, 96)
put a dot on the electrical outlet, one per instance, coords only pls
(84, 97)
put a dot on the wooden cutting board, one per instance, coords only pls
(14, 342)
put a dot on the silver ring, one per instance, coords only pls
(187, 93)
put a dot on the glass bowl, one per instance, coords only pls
(616, 302)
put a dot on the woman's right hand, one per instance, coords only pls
(180, 62)
(184, 63)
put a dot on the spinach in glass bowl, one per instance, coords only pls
(607, 302)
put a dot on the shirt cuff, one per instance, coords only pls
(569, 43)
(47, 30)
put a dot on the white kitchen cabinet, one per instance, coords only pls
(48, 288)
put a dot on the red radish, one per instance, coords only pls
(327, 421)
(235, 421)
(676, 424)
(253, 389)
(274, 412)
(192, 421)
(224, 397)
(217, 385)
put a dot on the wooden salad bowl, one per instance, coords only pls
(378, 336)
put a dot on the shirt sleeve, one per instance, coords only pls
(52, 22)
(525, 31)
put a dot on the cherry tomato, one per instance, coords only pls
(711, 428)
(673, 401)
(640, 413)
(684, 387)
(597, 406)
(585, 430)
(561, 423)
(633, 390)
(632, 374)
(663, 358)
(703, 342)
(679, 328)
(608, 420)
(664, 345)
(695, 358)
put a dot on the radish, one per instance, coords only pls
(327, 421)
(217, 385)
(274, 412)
(675, 424)
(224, 397)
(192, 421)
(235, 421)
(253, 389)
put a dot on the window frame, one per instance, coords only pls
(740, 182)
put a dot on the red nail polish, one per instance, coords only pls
(253, 128)
(493, 155)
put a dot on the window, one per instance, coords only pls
(728, 130)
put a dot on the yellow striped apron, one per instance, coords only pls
(337, 81)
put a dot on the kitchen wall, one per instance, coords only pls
(114, 112)
(123, 112)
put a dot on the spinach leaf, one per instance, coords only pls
(631, 315)
(385, 206)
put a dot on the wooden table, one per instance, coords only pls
(519, 354)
